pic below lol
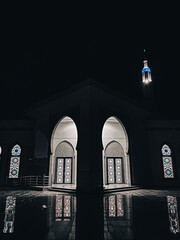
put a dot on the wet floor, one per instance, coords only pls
(139, 214)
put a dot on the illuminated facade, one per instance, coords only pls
(91, 139)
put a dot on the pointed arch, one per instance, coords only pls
(116, 165)
(15, 161)
(63, 159)
(167, 161)
(114, 149)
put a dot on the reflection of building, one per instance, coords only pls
(118, 217)
(9, 214)
(173, 214)
(63, 208)
(61, 212)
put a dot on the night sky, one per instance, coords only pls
(47, 49)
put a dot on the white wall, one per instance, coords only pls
(113, 130)
(65, 130)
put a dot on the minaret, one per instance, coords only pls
(147, 84)
(146, 71)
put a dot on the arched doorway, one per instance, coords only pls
(116, 166)
(63, 159)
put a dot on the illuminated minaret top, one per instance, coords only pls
(146, 71)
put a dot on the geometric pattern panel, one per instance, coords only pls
(173, 214)
(168, 168)
(115, 206)
(67, 206)
(120, 206)
(112, 206)
(67, 172)
(60, 170)
(118, 166)
(64, 169)
(16, 150)
(59, 207)
(63, 207)
(114, 170)
(166, 150)
(167, 161)
(14, 167)
(110, 167)
(9, 214)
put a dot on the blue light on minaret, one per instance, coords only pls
(146, 72)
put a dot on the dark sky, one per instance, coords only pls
(45, 49)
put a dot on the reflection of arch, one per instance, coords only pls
(115, 154)
(63, 152)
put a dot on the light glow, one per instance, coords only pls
(173, 214)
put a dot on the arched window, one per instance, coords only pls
(15, 161)
(167, 161)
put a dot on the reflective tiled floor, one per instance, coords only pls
(138, 214)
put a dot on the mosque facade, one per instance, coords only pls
(90, 139)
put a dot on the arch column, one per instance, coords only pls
(89, 166)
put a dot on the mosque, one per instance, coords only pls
(89, 138)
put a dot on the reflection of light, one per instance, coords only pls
(63, 208)
(9, 214)
(116, 206)
(173, 214)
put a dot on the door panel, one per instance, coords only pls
(118, 166)
(68, 164)
(110, 163)
(64, 170)
(60, 170)
(114, 170)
